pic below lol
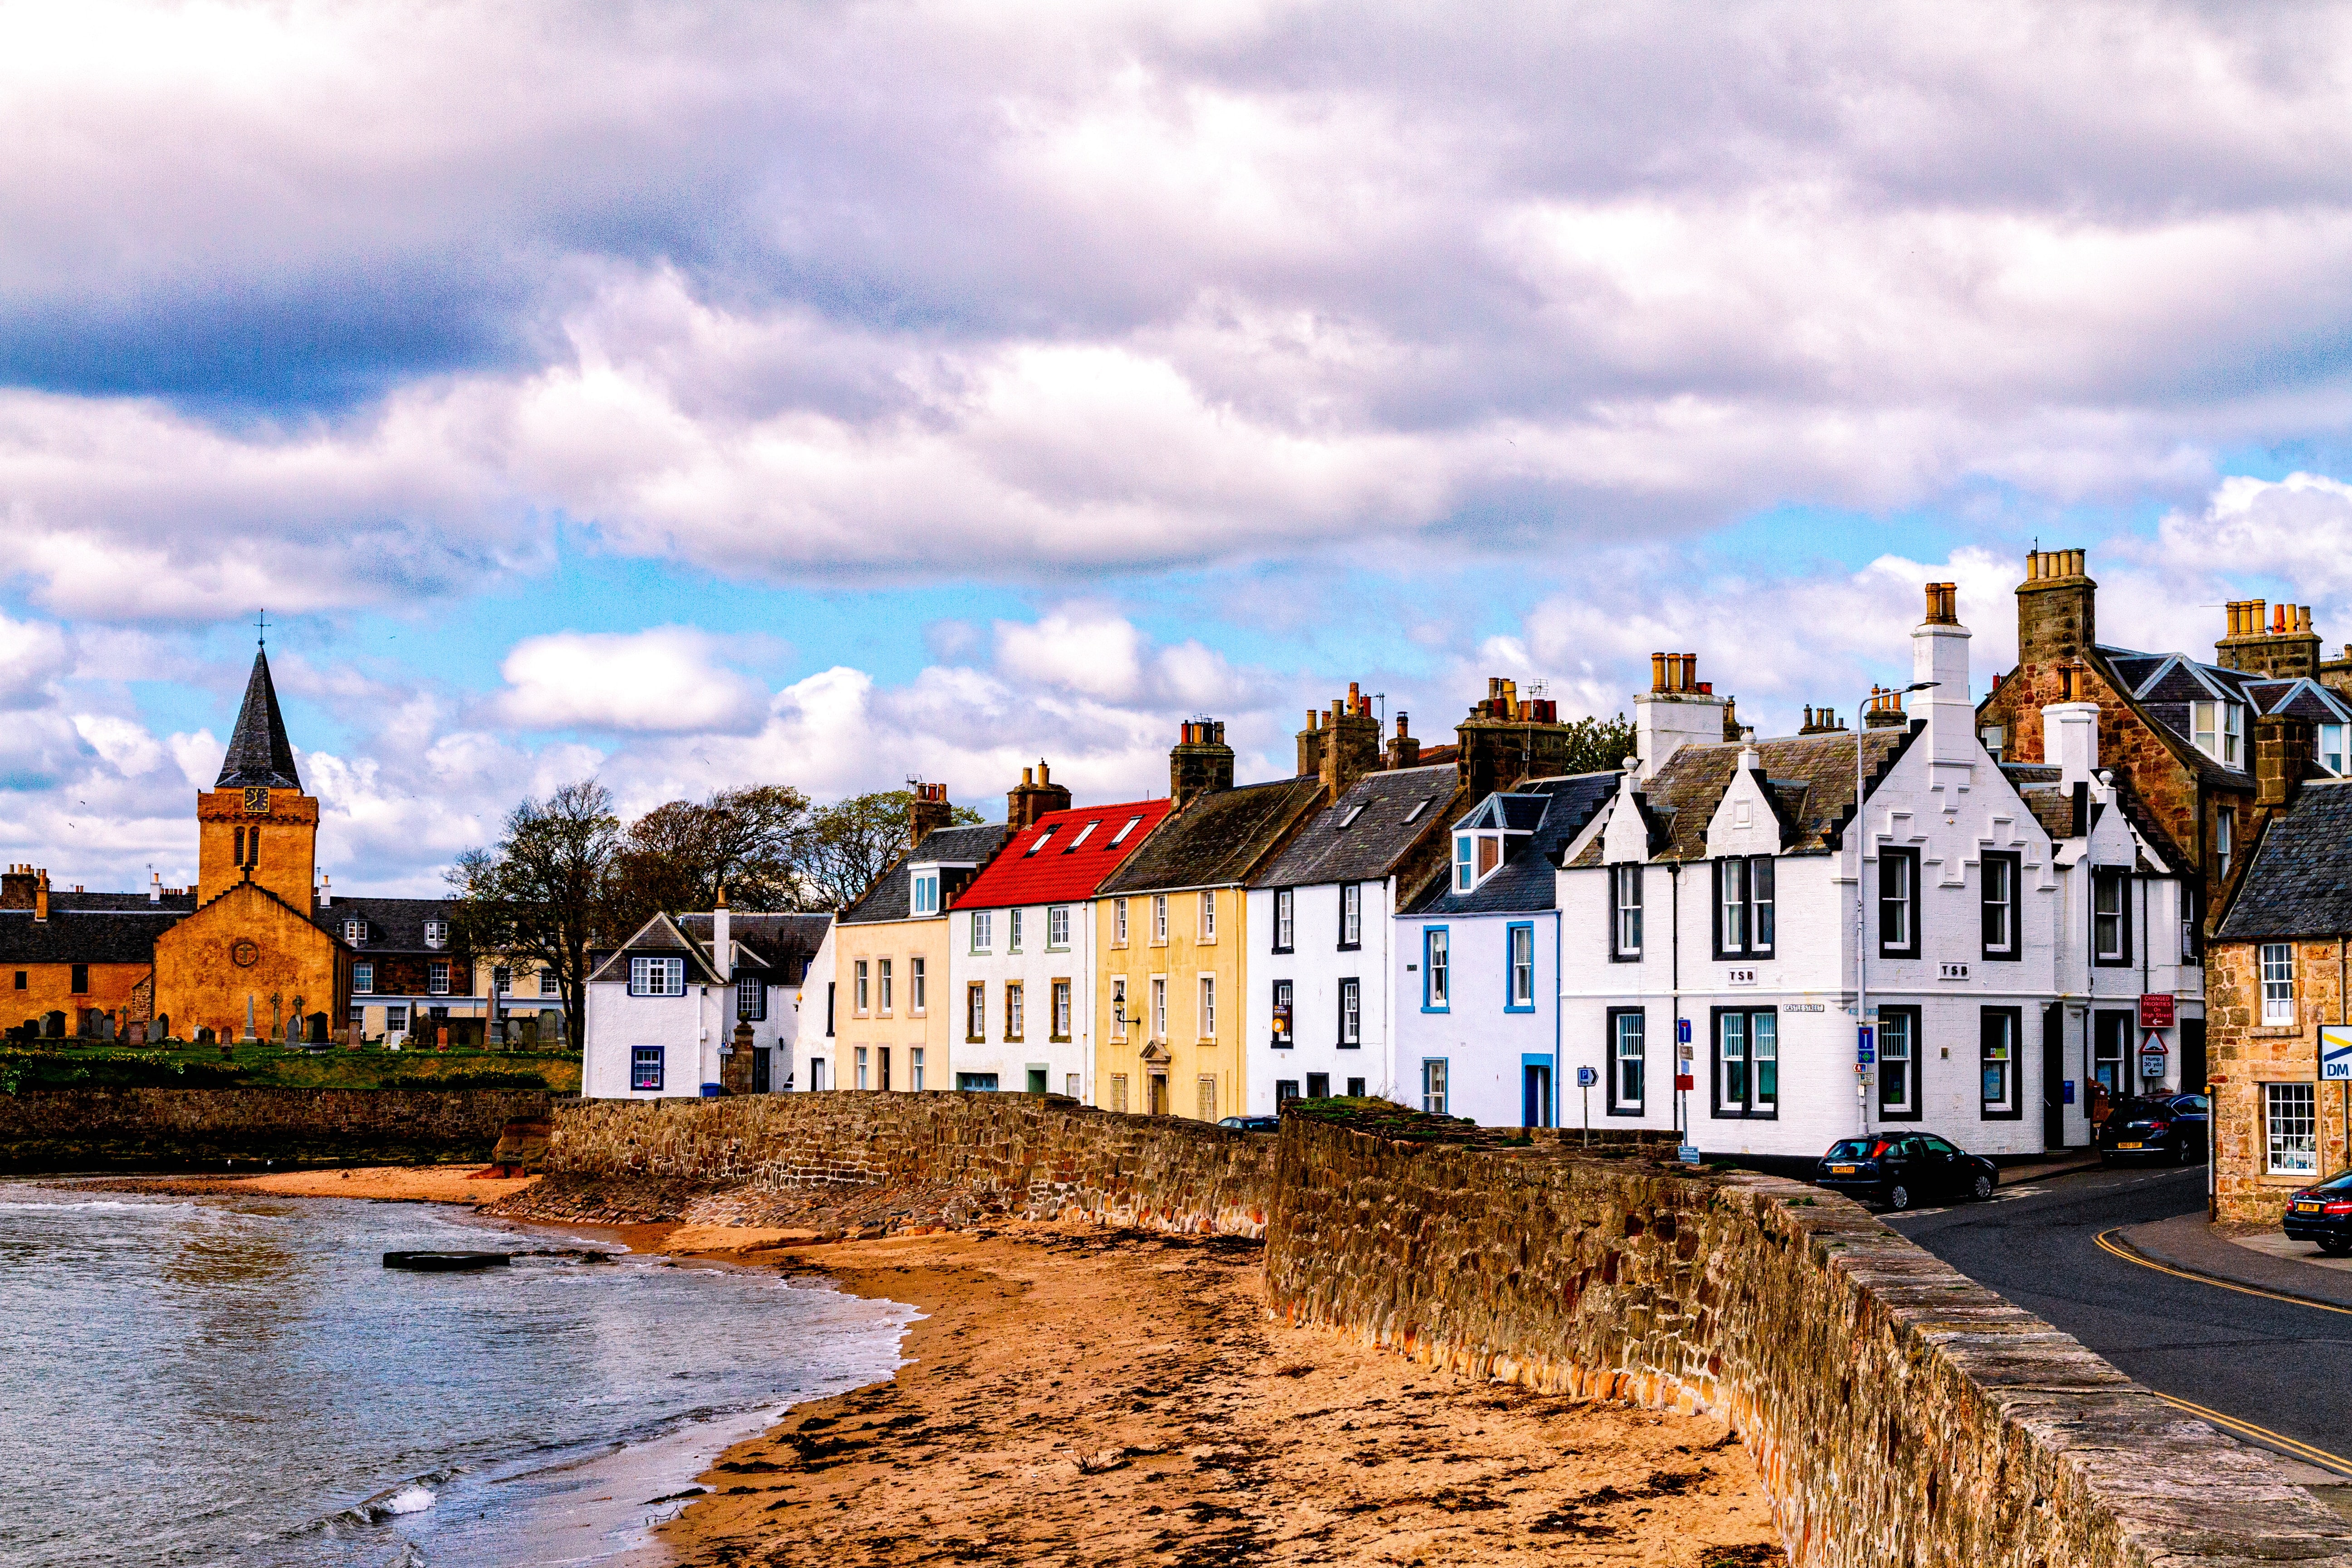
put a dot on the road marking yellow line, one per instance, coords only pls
(2299, 1449)
(2115, 1249)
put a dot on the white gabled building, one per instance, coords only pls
(1319, 1018)
(1717, 890)
(663, 1013)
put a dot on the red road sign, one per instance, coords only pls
(2155, 1010)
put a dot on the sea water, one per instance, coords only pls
(239, 1380)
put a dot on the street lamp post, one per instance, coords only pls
(1861, 896)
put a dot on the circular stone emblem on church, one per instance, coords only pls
(244, 954)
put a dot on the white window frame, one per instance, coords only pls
(1351, 914)
(915, 1069)
(861, 990)
(886, 988)
(641, 1057)
(2225, 832)
(2331, 748)
(1629, 1068)
(1160, 1007)
(437, 977)
(1285, 914)
(2277, 964)
(1625, 909)
(752, 999)
(1118, 922)
(1012, 931)
(1159, 919)
(1059, 1024)
(1437, 979)
(656, 976)
(1057, 926)
(1208, 914)
(983, 930)
(1351, 1013)
(1521, 942)
(1118, 1007)
(1016, 1010)
(437, 933)
(1465, 853)
(363, 979)
(927, 893)
(548, 985)
(1208, 1006)
(1433, 1086)
(917, 986)
(501, 981)
(354, 931)
(2290, 1130)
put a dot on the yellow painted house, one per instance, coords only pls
(1174, 938)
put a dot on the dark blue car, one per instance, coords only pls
(2323, 1215)
(1903, 1169)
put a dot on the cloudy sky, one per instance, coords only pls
(835, 394)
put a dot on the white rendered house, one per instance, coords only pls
(1716, 895)
(662, 1015)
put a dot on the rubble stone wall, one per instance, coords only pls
(1899, 1412)
(181, 1129)
(2246, 1054)
(1044, 1156)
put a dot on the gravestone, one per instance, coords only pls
(53, 1025)
(318, 1033)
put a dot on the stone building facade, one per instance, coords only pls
(2276, 992)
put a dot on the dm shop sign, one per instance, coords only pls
(2335, 1054)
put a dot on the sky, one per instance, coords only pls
(838, 395)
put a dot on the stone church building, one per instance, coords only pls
(247, 953)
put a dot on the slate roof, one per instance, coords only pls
(2300, 883)
(1076, 855)
(781, 943)
(128, 903)
(1812, 778)
(1218, 838)
(889, 899)
(2166, 685)
(1400, 811)
(393, 925)
(84, 936)
(1561, 808)
(258, 752)
(660, 936)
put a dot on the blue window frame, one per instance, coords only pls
(1436, 970)
(646, 1068)
(1519, 967)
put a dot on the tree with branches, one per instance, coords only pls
(848, 844)
(541, 895)
(676, 856)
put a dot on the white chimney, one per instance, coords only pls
(1939, 653)
(326, 890)
(154, 886)
(722, 950)
(1676, 711)
(2070, 741)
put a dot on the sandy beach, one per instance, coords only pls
(384, 1184)
(1078, 1395)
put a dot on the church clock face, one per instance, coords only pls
(256, 798)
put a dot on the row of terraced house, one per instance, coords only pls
(2019, 892)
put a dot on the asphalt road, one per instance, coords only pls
(2275, 1365)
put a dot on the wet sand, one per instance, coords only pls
(1078, 1395)
(388, 1183)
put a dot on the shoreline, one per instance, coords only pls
(1071, 1394)
(1075, 1394)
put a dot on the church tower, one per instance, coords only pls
(254, 823)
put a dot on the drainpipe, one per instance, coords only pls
(1681, 1108)
(2144, 945)
(1558, 1064)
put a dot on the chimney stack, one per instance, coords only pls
(1033, 796)
(1507, 740)
(1679, 709)
(2070, 741)
(1342, 746)
(721, 934)
(1939, 654)
(2285, 649)
(2283, 754)
(927, 809)
(1404, 752)
(2056, 608)
(41, 896)
(1199, 762)
(17, 888)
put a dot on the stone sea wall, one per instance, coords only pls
(1899, 1412)
(204, 1129)
(1040, 1156)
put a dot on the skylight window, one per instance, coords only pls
(1083, 834)
(1419, 806)
(1354, 812)
(1040, 842)
(1120, 836)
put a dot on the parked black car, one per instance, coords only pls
(2323, 1215)
(2167, 1127)
(1904, 1169)
(1253, 1124)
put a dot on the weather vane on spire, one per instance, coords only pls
(261, 629)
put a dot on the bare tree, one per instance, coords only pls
(848, 844)
(676, 856)
(540, 895)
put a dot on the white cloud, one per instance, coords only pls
(668, 680)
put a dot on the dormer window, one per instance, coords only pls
(2331, 748)
(437, 933)
(1040, 842)
(355, 931)
(1477, 856)
(923, 897)
(2218, 729)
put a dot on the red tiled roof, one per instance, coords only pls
(1073, 856)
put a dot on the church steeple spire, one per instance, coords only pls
(258, 752)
